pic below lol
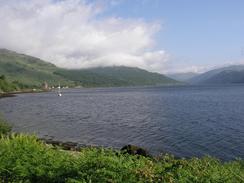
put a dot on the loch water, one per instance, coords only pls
(183, 120)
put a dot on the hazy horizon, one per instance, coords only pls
(159, 36)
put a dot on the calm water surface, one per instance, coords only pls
(184, 120)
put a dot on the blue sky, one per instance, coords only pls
(196, 32)
(164, 36)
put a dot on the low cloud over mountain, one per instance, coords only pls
(76, 34)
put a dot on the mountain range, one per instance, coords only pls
(30, 72)
(225, 75)
(33, 72)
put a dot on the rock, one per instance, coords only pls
(50, 141)
(135, 150)
(72, 146)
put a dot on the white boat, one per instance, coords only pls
(59, 91)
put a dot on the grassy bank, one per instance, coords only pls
(5, 128)
(24, 158)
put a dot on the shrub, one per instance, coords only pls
(100, 165)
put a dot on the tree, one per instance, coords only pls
(2, 77)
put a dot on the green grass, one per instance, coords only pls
(24, 158)
(5, 128)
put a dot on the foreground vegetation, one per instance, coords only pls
(24, 158)
(5, 128)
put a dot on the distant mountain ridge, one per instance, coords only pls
(182, 76)
(224, 75)
(32, 72)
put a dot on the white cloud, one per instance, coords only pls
(74, 34)
(187, 69)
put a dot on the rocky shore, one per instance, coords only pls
(74, 146)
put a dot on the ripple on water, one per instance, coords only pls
(186, 120)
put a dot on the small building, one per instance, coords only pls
(45, 86)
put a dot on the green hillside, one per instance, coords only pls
(6, 86)
(28, 70)
(114, 76)
(33, 72)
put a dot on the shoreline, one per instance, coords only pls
(129, 148)
(14, 93)
(3, 95)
